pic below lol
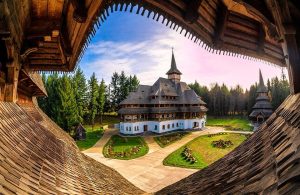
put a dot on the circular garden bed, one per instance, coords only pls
(204, 150)
(165, 140)
(125, 148)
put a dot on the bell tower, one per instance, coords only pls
(174, 73)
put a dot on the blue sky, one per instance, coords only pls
(142, 46)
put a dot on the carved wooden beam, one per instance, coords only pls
(80, 11)
(261, 39)
(222, 17)
(191, 14)
(64, 41)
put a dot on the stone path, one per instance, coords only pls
(147, 172)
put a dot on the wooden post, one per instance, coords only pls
(290, 47)
(12, 74)
(11, 85)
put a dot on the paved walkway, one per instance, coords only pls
(147, 172)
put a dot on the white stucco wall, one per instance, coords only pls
(138, 127)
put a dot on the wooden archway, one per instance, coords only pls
(52, 35)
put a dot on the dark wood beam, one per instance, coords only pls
(64, 41)
(42, 50)
(49, 67)
(191, 14)
(261, 39)
(221, 21)
(45, 56)
(45, 61)
(23, 79)
(42, 28)
(80, 11)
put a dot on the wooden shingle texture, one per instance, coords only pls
(37, 158)
(267, 163)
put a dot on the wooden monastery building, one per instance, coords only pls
(262, 109)
(168, 105)
(38, 157)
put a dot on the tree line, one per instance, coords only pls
(72, 99)
(224, 101)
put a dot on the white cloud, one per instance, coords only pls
(151, 58)
(148, 59)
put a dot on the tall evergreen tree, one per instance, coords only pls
(123, 87)
(134, 83)
(80, 92)
(68, 114)
(93, 95)
(42, 101)
(101, 99)
(251, 98)
(114, 90)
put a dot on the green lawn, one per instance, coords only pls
(125, 148)
(230, 123)
(92, 136)
(165, 140)
(203, 151)
(106, 120)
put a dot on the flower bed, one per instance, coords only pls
(222, 144)
(125, 148)
(188, 155)
(168, 139)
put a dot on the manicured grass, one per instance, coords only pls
(125, 148)
(107, 120)
(230, 123)
(165, 140)
(203, 151)
(92, 136)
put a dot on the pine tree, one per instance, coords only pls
(134, 83)
(101, 99)
(80, 89)
(53, 100)
(93, 95)
(123, 87)
(251, 98)
(68, 109)
(114, 91)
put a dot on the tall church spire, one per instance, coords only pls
(261, 86)
(173, 69)
(174, 73)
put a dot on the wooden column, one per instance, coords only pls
(11, 85)
(12, 74)
(290, 47)
(293, 62)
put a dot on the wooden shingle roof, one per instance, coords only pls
(267, 163)
(39, 158)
